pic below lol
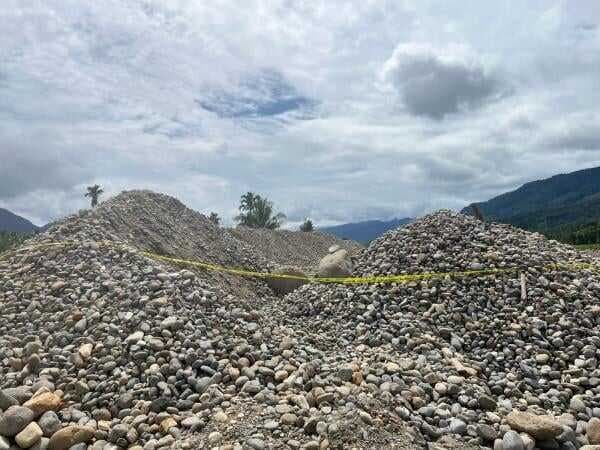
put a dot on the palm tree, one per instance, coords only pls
(94, 192)
(258, 212)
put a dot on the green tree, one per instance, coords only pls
(214, 218)
(258, 212)
(307, 226)
(94, 192)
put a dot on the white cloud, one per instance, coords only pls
(110, 92)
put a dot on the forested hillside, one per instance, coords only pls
(564, 207)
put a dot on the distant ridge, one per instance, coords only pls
(366, 231)
(553, 205)
(9, 221)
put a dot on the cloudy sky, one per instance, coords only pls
(337, 110)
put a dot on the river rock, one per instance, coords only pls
(14, 420)
(539, 427)
(30, 435)
(70, 436)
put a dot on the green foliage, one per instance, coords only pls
(94, 192)
(565, 207)
(582, 234)
(476, 210)
(10, 240)
(214, 218)
(307, 226)
(588, 247)
(258, 212)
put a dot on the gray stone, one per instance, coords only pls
(6, 401)
(283, 286)
(49, 423)
(512, 441)
(14, 420)
(334, 265)
(256, 444)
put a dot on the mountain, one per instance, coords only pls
(557, 206)
(11, 222)
(366, 231)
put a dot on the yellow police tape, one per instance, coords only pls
(402, 278)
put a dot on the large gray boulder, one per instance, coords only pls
(335, 265)
(283, 286)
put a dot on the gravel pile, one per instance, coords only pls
(464, 355)
(121, 351)
(129, 353)
(293, 248)
(143, 355)
(161, 224)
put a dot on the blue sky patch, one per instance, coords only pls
(264, 95)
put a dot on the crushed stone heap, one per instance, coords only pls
(458, 355)
(102, 348)
(131, 352)
(292, 248)
(163, 225)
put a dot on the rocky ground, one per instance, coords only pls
(285, 247)
(103, 348)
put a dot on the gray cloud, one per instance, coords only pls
(576, 132)
(435, 82)
(108, 92)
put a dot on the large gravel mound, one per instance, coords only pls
(162, 224)
(102, 348)
(448, 241)
(476, 350)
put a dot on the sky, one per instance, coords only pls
(336, 110)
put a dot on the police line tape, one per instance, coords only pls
(378, 279)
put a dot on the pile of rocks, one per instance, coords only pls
(463, 355)
(284, 247)
(138, 354)
(29, 418)
(161, 224)
(155, 356)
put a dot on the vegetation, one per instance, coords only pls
(258, 212)
(477, 212)
(589, 247)
(94, 192)
(586, 233)
(565, 207)
(307, 226)
(214, 218)
(9, 240)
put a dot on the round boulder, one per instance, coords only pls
(44, 402)
(29, 436)
(335, 265)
